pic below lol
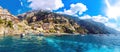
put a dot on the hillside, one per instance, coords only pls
(10, 24)
(41, 21)
(48, 22)
(51, 22)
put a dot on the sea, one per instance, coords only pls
(61, 43)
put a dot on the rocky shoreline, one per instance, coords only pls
(38, 34)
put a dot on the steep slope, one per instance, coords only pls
(48, 22)
(10, 24)
(95, 26)
(51, 22)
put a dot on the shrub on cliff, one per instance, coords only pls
(1, 21)
(10, 24)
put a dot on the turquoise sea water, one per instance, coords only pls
(65, 43)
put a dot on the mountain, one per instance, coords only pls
(7, 21)
(42, 21)
(10, 24)
(56, 22)
(93, 27)
(49, 22)
(96, 27)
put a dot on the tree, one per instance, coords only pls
(1, 21)
(9, 24)
(67, 30)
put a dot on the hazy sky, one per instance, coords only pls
(104, 11)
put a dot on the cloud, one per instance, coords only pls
(85, 17)
(21, 2)
(46, 4)
(113, 9)
(102, 19)
(98, 18)
(74, 9)
(113, 12)
(113, 25)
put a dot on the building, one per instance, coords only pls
(45, 26)
(5, 14)
(4, 11)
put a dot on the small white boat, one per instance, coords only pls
(22, 35)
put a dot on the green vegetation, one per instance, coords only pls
(67, 29)
(52, 31)
(1, 21)
(46, 21)
(60, 23)
(7, 23)
(10, 24)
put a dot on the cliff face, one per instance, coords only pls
(9, 24)
(48, 22)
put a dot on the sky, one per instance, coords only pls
(104, 11)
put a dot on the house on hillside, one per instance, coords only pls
(45, 26)
(4, 13)
(34, 18)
